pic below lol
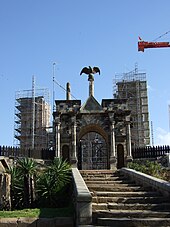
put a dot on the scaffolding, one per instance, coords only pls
(133, 87)
(32, 119)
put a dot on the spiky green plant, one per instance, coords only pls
(16, 186)
(54, 180)
(27, 168)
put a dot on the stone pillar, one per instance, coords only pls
(74, 146)
(91, 85)
(113, 147)
(128, 143)
(57, 149)
(68, 92)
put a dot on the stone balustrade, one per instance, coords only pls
(157, 184)
(83, 200)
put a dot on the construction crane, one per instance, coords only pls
(142, 45)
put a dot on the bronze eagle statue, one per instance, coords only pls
(89, 70)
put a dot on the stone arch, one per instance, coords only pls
(93, 148)
(120, 156)
(93, 128)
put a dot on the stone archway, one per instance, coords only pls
(93, 128)
(93, 148)
(120, 156)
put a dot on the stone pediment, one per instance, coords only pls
(91, 105)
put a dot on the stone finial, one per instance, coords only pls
(68, 91)
(90, 72)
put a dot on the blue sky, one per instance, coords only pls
(78, 33)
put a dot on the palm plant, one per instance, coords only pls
(54, 180)
(27, 168)
(60, 170)
(16, 186)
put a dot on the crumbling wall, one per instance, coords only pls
(5, 199)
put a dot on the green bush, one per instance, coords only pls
(149, 167)
(32, 187)
(53, 185)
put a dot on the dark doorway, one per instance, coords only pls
(120, 156)
(65, 153)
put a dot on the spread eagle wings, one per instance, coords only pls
(86, 70)
(96, 70)
(90, 70)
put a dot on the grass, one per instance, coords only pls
(38, 213)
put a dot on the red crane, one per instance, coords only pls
(142, 45)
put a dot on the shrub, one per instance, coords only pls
(54, 184)
(50, 187)
(149, 167)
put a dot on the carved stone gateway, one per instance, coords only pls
(93, 135)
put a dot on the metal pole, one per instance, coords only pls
(33, 112)
(152, 133)
(54, 64)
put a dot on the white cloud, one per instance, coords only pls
(162, 137)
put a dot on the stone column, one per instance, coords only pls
(74, 146)
(113, 147)
(91, 85)
(68, 92)
(57, 149)
(128, 143)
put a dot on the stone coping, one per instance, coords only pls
(81, 190)
(82, 199)
(37, 222)
(156, 183)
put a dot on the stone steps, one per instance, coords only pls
(111, 184)
(126, 200)
(137, 222)
(125, 194)
(107, 181)
(115, 188)
(117, 201)
(130, 214)
(136, 206)
(111, 178)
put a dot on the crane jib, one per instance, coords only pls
(142, 45)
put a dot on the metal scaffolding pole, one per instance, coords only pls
(33, 112)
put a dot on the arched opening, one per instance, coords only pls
(65, 153)
(92, 152)
(120, 156)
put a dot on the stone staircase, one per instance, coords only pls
(117, 201)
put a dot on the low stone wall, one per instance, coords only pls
(160, 185)
(83, 200)
(34, 222)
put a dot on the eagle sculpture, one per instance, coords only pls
(89, 70)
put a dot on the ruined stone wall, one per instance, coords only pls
(5, 199)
